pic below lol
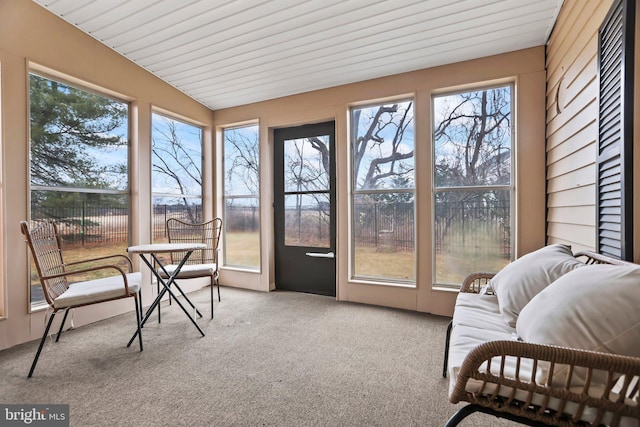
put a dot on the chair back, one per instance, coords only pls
(207, 232)
(46, 249)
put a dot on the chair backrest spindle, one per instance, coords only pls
(46, 249)
(208, 232)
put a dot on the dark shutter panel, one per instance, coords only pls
(614, 199)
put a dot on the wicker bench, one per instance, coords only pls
(553, 383)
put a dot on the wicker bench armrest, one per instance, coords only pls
(486, 363)
(474, 282)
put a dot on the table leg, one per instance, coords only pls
(171, 281)
(166, 287)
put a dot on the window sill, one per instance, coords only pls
(37, 307)
(241, 269)
(444, 288)
(382, 283)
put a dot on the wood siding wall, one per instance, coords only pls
(572, 125)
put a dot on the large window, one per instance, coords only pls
(383, 183)
(473, 186)
(79, 169)
(241, 197)
(176, 173)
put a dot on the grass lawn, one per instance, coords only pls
(242, 249)
(393, 265)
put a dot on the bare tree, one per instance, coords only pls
(378, 144)
(176, 162)
(472, 138)
(242, 160)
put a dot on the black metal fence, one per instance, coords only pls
(87, 223)
(386, 226)
(161, 213)
(90, 224)
(381, 225)
(483, 225)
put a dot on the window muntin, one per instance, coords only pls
(473, 184)
(176, 173)
(241, 217)
(79, 163)
(383, 203)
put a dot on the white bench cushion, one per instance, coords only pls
(480, 311)
(465, 338)
(97, 290)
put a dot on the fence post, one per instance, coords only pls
(82, 222)
(375, 222)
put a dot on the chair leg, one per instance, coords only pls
(460, 415)
(138, 303)
(446, 349)
(64, 319)
(471, 408)
(212, 296)
(218, 285)
(44, 337)
(158, 289)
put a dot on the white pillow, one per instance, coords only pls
(593, 308)
(596, 308)
(517, 283)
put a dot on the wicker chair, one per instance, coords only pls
(488, 382)
(202, 263)
(56, 275)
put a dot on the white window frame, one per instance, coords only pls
(52, 75)
(384, 281)
(169, 116)
(224, 197)
(511, 188)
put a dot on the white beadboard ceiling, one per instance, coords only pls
(225, 53)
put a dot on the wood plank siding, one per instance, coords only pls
(572, 126)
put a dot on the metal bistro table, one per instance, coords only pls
(162, 248)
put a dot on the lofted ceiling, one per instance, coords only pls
(225, 53)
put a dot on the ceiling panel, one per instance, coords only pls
(229, 53)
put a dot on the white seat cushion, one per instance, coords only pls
(98, 290)
(465, 338)
(189, 271)
(480, 311)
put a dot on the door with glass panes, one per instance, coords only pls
(304, 208)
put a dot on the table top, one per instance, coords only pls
(158, 248)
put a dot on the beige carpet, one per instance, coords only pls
(268, 359)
